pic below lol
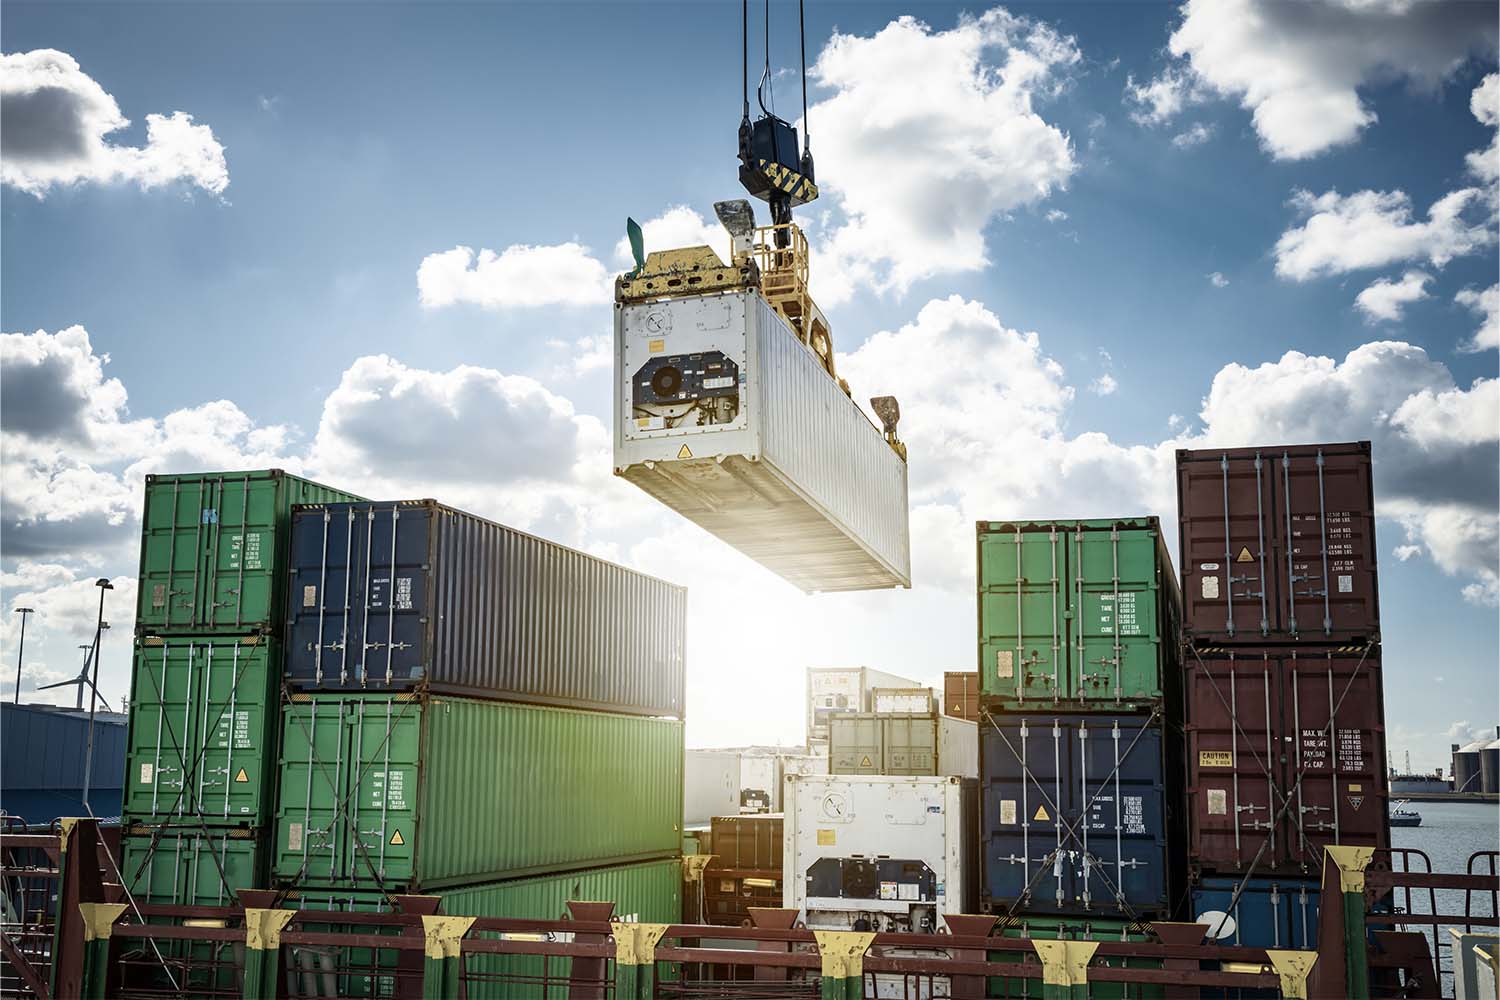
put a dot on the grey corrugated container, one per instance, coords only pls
(440, 599)
(902, 743)
(799, 480)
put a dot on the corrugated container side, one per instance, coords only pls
(961, 694)
(711, 785)
(917, 700)
(204, 720)
(822, 441)
(747, 843)
(1278, 543)
(452, 790)
(1085, 784)
(192, 868)
(1259, 732)
(1077, 614)
(214, 548)
(466, 606)
(1271, 913)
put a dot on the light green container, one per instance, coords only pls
(214, 549)
(204, 720)
(1076, 613)
(427, 792)
(650, 892)
(1072, 929)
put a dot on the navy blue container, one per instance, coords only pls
(1271, 913)
(1083, 828)
(396, 596)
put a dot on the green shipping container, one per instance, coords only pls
(214, 549)
(1072, 929)
(204, 720)
(1076, 613)
(427, 792)
(650, 892)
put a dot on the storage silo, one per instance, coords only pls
(1466, 776)
(1489, 764)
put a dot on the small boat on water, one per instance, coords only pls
(1404, 817)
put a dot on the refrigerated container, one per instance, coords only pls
(1278, 543)
(898, 743)
(913, 701)
(711, 785)
(897, 851)
(1286, 747)
(204, 721)
(214, 547)
(1270, 913)
(723, 415)
(1079, 814)
(843, 689)
(961, 694)
(760, 782)
(431, 792)
(1080, 614)
(396, 596)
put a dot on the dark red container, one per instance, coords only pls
(1258, 735)
(1278, 543)
(961, 694)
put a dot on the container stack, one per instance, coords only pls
(478, 714)
(1080, 766)
(200, 776)
(1285, 719)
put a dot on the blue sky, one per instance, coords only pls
(358, 139)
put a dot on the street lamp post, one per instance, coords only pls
(88, 760)
(24, 613)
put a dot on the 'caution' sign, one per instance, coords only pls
(1215, 758)
(1041, 813)
(242, 777)
(1244, 555)
(397, 840)
(684, 452)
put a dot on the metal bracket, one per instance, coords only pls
(263, 928)
(693, 865)
(1352, 862)
(1065, 963)
(1293, 967)
(635, 943)
(444, 935)
(843, 952)
(99, 919)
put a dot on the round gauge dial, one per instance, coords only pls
(835, 805)
(658, 322)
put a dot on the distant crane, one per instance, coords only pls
(82, 679)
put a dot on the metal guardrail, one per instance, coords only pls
(101, 947)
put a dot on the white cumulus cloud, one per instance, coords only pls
(933, 134)
(1370, 229)
(1385, 299)
(1159, 100)
(1217, 279)
(1299, 68)
(1487, 304)
(681, 226)
(520, 276)
(54, 124)
(1104, 385)
(1194, 135)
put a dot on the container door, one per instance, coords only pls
(1333, 706)
(1327, 558)
(1228, 529)
(1117, 650)
(856, 745)
(236, 702)
(242, 570)
(910, 744)
(161, 722)
(191, 869)
(177, 528)
(1122, 836)
(385, 742)
(1021, 615)
(1026, 793)
(311, 818)
(1236, 770)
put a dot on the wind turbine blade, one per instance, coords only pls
(67, 683)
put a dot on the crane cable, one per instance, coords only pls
(765, 75)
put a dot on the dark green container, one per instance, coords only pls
(418, 793)
(650, 892)
(1072, 929)
(1077, 614)
(214, 549)
(204, 720)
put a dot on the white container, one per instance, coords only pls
(896, 852)
(760, 783)
(843, 689)
(711, 785)
(914, 700)
(748, 437)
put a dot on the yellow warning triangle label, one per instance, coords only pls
(397, 840)
(865, 761)
(242, 776)
(1041, 813)
(684, 452)
(1244, 555)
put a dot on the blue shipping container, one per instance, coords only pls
(388, 597)
(42, 762)
(1271, 913)
(1076, 814)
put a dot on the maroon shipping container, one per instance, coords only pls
(1278, 543)
(961, 694)
(1259, 734)
(745, 870)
